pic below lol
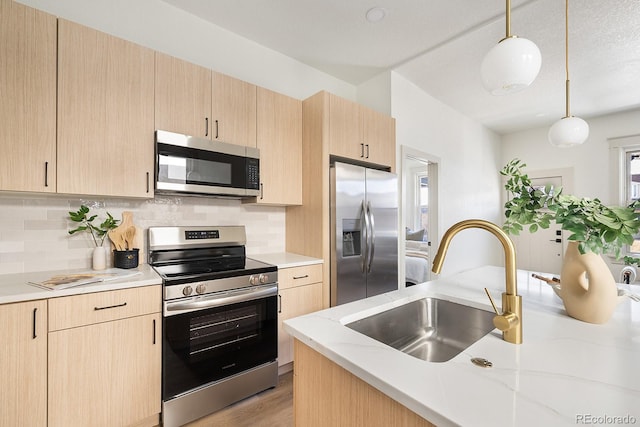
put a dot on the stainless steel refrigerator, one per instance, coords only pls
(364, 238)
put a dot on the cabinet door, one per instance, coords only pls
(182, 96)
(27, 99)
(23, 357)
(295, 302)
(279, 138)
(106, 374)
(345, 128)
(105, 114)
(233, 110)
(379, 135)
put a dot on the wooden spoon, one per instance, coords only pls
(128, 236)
(115, 236)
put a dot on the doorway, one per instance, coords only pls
(418, 215)
(543, 251)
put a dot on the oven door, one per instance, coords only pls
(186, 164)
(208, 338)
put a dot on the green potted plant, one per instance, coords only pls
(98, 232)
(588, 288)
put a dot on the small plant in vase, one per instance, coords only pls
(588, 288)
(98, 232)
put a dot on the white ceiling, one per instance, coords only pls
(439, 45)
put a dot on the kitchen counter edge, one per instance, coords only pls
(15, 287)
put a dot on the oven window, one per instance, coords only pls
(211, 344)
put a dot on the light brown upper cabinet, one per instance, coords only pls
(105, 114)
(233, 116)
(28, 99)
(360, 133)
(279, 124)
(183, 97)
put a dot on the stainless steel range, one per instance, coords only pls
(219, 320)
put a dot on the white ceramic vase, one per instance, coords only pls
(588, 289)
(99, 260)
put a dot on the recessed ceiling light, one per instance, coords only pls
(376, 14)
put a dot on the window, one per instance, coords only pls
(625, 155)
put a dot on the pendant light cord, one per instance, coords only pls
(508, 19)
(566, 54)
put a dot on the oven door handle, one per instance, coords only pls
(172, 308)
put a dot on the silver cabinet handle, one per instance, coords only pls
(362, 150)
(46, 174)
(206, 126)
(217, 129)
(147, 182)
(279, 303)
(154, 331)
(300, 277)
(367, 146)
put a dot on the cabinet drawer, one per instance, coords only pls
(298, 276)
(86, 309)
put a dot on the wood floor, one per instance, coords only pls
(271, 408)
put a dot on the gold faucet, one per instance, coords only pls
(510, 321)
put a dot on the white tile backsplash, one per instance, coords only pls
(34, 229)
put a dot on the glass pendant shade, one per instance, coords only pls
(568, 132)
(510, 66)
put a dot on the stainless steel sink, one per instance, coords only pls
(430, 329)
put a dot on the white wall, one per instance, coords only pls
(469, 183)
(593, 174)
(590, 161)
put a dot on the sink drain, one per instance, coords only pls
(482, 362)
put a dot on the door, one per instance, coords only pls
(382, 212)
(349, 237)
(541, 251)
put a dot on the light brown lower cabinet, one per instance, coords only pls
(23, 358)
(105, 372)
(300, 292)
(325, 394)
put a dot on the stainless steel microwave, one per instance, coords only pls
(191, 165)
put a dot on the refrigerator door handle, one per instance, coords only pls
(364, 218)
(372, 237)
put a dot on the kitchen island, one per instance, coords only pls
(566, 372)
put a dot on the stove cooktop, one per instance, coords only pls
(180, 273)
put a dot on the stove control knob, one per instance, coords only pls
(263, 279)
(201, 288)
(253, 280)
(187, 290)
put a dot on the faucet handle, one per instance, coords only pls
(504, 321)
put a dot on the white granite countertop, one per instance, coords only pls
(286, 259)
(16, 287)
(566, 372)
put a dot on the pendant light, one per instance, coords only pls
(569, 131)
(511, 65)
